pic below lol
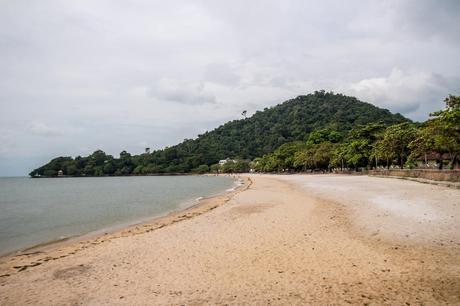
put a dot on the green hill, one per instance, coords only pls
(243, 139)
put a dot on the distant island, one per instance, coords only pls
(319, 131)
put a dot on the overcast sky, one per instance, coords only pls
(76, 76)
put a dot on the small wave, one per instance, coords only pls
(236, 184)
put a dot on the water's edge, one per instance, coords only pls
(182, 207)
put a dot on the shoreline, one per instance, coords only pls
(85, 176)
(182, 212)
(286, 240)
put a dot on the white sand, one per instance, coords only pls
(395, 208)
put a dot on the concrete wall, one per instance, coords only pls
(429, 174)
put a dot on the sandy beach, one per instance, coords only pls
(297, 239)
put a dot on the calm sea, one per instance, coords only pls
(34, 211)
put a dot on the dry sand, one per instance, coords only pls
(318, 239)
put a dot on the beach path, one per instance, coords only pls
(297, 239)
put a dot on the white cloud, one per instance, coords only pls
(414, 94)
(42, 129)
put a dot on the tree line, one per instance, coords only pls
(374, 145)
(320, 131)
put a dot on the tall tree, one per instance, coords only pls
(396, 140)
(441, 133)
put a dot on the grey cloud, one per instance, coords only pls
(41, 129)
(71, 71)
(413, 94)
(431, 19)
(181, 92)
(278, 82)
(221, 73)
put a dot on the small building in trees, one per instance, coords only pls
(224, 161)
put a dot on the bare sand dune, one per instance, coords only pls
(285, 240)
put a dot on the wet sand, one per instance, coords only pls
(304, 239)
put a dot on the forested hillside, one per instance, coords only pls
(243, 139)
(434, 143)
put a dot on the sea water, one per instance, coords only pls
(35, 211)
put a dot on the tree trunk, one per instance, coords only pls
(453, 161)
(440, 163)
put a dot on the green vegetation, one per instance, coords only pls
(373, 145)
(319, 131)
(440, 134)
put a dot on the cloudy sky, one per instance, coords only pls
(76, 76)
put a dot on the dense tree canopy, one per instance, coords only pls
(440, 133)
(375, 144)
(314, 118)
(395, 142)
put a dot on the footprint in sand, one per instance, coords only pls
(71, 272)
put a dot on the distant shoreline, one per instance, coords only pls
(152, 174)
